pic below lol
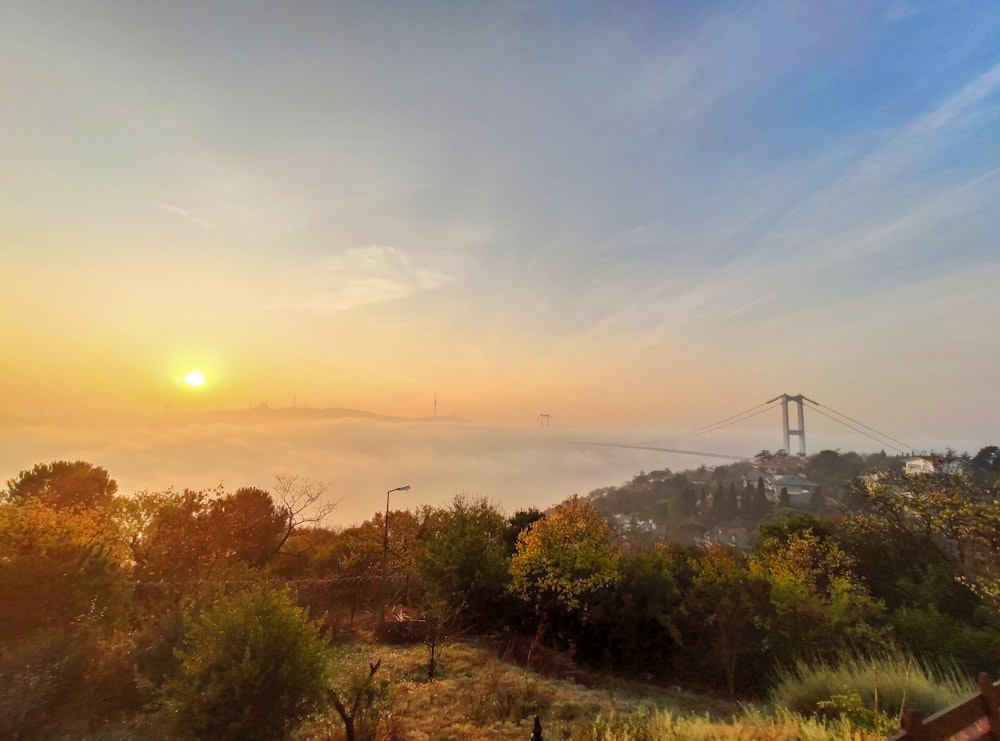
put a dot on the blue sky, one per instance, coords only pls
(625, 214)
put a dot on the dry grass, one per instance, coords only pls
(477, 696)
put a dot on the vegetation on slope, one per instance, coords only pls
(123, 615)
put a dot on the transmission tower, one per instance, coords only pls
(801, 431)
(544, 420)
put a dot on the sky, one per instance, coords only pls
(626, 215)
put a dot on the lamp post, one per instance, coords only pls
(385, 541)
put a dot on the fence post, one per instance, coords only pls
(915, 726)
(989, 693)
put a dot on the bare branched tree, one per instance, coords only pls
(301, 501)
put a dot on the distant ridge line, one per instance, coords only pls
(326, 413)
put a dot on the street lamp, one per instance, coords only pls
(385, 538)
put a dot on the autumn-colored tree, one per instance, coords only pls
(563, 558)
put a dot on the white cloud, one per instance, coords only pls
(368, 275)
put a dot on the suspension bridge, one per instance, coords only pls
(791, 428)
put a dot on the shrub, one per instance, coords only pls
(855, 687)
(252, 667)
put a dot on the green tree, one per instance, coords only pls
(931, 523)
(361, 702)
(817, 501)
(631, 625)
(730, 600)
(760, 505)
(462, 559)
(563, 558)
(819, 606)
(247, 526)
(985, 466)
(252, 666)
(63, 485)
(518, 523)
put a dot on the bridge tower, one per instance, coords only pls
(801, 431)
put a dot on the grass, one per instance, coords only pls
(478, 696)
(855, 686)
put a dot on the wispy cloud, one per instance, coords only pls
(731, 54)
(884, 203)
(367, 275)
(184, 214)
(900, 10)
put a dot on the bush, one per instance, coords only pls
(854, 687)
(57, 683)
(252, 667)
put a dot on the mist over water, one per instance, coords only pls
(360, 459)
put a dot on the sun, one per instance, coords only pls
(195, 379)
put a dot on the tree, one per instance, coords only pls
(252, 666)
(731, 600)
(462, 560)
(760, 505)
(561, 559)
(58, 570)
(985, 466)
(518, 523)
(817, 502)
(631, 625)
(360, 703)
(170, 537)
(63, 485)
(819, 606)
(248, 526)
(927, 523)
(301, 502)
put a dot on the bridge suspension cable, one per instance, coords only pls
(728, 421)
(880, 437)
(832, 414)
(700, 453)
